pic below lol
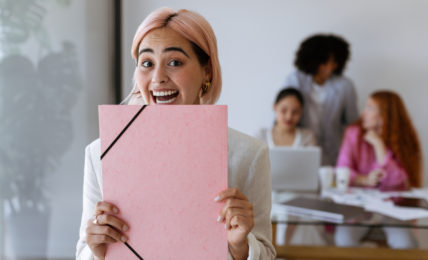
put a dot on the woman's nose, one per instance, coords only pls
(159, 75)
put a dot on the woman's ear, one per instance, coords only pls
(205, 91)
(208, 72)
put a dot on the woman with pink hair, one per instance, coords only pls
(177, 63)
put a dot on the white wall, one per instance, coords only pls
(257, 41)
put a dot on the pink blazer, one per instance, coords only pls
(361, 161)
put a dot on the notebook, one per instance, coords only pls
(323, 210)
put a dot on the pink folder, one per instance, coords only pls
(163, 172)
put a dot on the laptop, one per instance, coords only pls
(295, 169)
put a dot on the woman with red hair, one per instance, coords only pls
(382, 151)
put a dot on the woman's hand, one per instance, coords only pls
(374, 177)
(104, 228)
(237, 214)
(372, 138)
(376, 141)
(371, 180)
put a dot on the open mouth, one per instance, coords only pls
(164, 96)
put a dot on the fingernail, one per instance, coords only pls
(218, 218)
(217, 198)
(115, 210)
(123, 239)
(125, 228)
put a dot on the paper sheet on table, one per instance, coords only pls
(164, 173)
(375, 201)
(354, 196)
(387, 208)
(362, 196)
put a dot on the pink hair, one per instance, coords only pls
(191, 26)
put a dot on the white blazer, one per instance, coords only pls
(249, 171)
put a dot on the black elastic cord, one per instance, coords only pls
(133, 251)
(109, 147)
(123, 131)
(130, 247)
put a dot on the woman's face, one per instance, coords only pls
(372, 119)
(326, 70)
(168, 70)
(288, 112)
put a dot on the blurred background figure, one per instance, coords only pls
(288, 109)
(382, 150)
(285, 132)
(330, 97)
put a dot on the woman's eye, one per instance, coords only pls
(175, 63)
(146, 64)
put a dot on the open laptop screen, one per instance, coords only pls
(295, 169)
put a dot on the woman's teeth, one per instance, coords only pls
(164, 93)
(159, 101)
(165, 97)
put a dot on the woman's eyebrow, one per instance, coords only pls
(176, 49)
(165, 50)
(145, 50)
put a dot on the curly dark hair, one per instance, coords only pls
(317, 49)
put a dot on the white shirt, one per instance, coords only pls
(249, 171)
(317, 95)
(304, 137)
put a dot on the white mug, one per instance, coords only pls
(343, 175)
(326, 175)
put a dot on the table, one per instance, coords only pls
(369, 219)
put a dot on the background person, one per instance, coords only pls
(382, 150)
(330, 98)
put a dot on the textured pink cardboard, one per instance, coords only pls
(164, 173)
